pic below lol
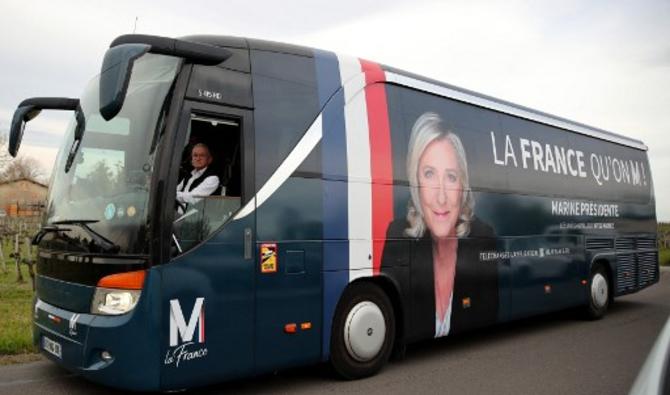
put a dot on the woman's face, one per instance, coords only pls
(440, 188)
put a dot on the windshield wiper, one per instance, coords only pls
(105, 244)
(47, 229)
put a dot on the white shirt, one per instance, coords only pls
(442, 327)
(206, 187)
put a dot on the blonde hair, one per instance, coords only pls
(429, 127)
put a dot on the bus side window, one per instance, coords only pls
(209, 186)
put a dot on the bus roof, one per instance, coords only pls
(429, 85)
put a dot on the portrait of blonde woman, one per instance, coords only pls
(450, 289)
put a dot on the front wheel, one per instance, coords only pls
(363, 331)
(599, 293)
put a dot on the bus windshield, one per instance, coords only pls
(104, 194)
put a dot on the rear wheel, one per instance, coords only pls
(363, 331)
(599, 293)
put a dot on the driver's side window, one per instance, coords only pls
(210, 180)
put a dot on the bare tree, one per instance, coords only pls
(17, 258)
(5, 158)
(23, 167)
(663, 235)
(19, 167)
(3, 264)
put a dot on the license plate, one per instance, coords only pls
(52, 347)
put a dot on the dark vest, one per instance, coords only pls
(208, 172)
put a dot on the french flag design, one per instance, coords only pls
(353, 133)
(368, 164)
(358, 174)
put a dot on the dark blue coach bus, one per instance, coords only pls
(223, 207)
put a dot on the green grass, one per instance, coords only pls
(664, 257)
(16, 336)
(663, 253)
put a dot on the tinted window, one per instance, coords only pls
(285, 104)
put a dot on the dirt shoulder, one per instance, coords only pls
(19, 358)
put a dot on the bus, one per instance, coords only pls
(223, 207)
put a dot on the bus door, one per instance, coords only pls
(207, 302)
(288, 268)
(288, 304)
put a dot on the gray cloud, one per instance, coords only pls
(40, 138)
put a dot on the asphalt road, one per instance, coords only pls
(551, 354)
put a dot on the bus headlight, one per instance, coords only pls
(118, 293)
(110, 301)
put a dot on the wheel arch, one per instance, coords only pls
(392, 289)
(608, 264)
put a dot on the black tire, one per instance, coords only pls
(343, 358)
(599, 293)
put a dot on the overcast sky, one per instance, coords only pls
(602, 63)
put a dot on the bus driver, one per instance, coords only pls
(203, 180)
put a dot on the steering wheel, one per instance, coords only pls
(180, 205)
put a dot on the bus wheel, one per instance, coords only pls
(363, 332)
(599, 293)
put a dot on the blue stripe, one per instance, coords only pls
(335, 209)
(327, 75)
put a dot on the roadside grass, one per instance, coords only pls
(664, 257)
(663, 253)
(16, 336)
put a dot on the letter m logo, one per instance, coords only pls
(179, 327)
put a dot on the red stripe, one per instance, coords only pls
(381, 168)
(202, 324)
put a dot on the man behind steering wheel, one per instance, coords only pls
(202, 182)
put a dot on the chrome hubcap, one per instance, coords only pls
(364, 331)
(599, 290)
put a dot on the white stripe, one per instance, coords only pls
(350, 68)
(512, 109)
(359, 273)
(304, 147)
(358, 168)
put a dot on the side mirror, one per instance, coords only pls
(22, 115)
(117, 67)
(29, 109)
(81, 123)
(78, 135)
(124, 50)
